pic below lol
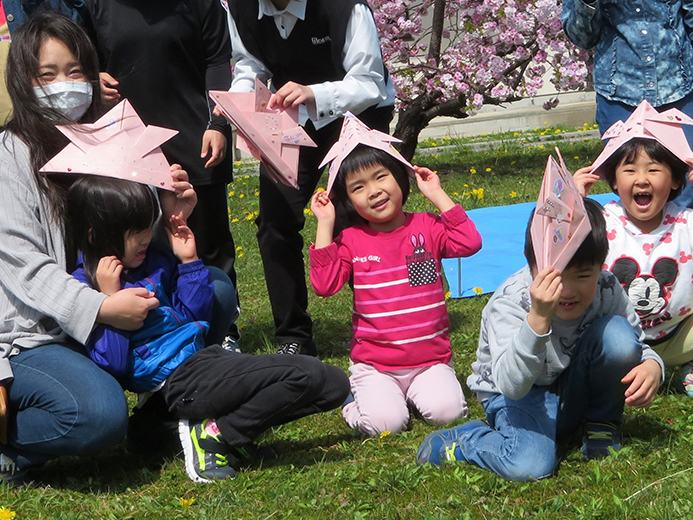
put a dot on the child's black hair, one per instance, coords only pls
(591, 252)
(629, 151)
(101, 211)
(365, 157)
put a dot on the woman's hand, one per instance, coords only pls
(180, 202)
(109, 89)
(127, 308)
(108, 274)
(215, 142)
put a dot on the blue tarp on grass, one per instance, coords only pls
(502, 231)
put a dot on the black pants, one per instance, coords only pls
(247, 394)
(280, 222)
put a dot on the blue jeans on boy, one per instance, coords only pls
(608, 112)
(520, 441)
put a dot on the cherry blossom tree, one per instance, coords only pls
(469, 53)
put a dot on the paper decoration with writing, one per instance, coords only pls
(272, 136)
(646, 122)
(354, 133)
(118, 145)
(560, 223)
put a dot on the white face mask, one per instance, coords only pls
(71, 98)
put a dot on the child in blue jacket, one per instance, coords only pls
(224, 399)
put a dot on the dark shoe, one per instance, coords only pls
(207, 456)
(443, 446)
(153, 430)
(600, 439)
(10, 473)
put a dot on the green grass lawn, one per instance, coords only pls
(325, 470)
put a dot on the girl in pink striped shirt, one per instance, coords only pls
(400, 352)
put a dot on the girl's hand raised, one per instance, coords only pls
(429, 185)
(182, 201)
(322, 206)
(182, 240)
(108, 274)
(584, 180)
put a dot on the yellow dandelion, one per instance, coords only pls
(241, 254)
(7, 513)
(435, 156)
(513, 194)
(515, 134)
(239, 248)
(320, 189)
(234, 220)
(546, 122)
(433, 143)
(466, 185)
(472, 170)
(447, 295)
(257, 192)
(466, 194)
(385, 434)
(478, 290)
(246, 177)
(256, 212)
(307, 211)
(543, 133)
(238, 164)
(585, 124)
(249, 216)
(540, 146)
(488, 169)
(186, 502)
(241, 195)
(557, 131)
(512, 162)
(232, 193)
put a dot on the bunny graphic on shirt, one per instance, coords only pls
(421, 266)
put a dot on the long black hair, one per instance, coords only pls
(365, 157)
(100, 212)
(32, 122)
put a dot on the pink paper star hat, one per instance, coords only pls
(354, 133)
(560, 223)
(272, 136)
(645, 122)
(118, 145)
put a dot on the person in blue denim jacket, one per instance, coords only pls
(642, 50)
(17, 11)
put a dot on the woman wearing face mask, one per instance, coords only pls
(58, 401)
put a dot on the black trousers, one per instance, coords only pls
(279, 224)
(248, 394)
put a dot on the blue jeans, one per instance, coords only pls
(225, 310)
(520, 441)
(61, 403)
(608, 112)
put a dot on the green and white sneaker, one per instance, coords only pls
(207, 456)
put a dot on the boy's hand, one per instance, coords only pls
(584, 180)
(545, 292)
(182, 240)
(322, 206)
(214, 145)
(108, 275)
(180, 202)
(644, 382)
(429, 185)
(292, 95)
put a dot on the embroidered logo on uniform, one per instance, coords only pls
(421, 266)
(320, 41)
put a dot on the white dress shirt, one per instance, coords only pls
(364, 84)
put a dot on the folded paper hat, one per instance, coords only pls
(272, 136)
(645, 122)
(354, 133)
(560, 223)
(118, 145)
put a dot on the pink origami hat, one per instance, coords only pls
(354, 133)
(645, 122)
(118, 145)
(272, 136)
(560, 223)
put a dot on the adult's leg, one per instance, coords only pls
(685, 105)
(591, 388)
(61, 403)
(608, 112)
(279, 223)
(248, 394)
(520, 441)
(379, 401)
(210, 223)
(437, 394)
